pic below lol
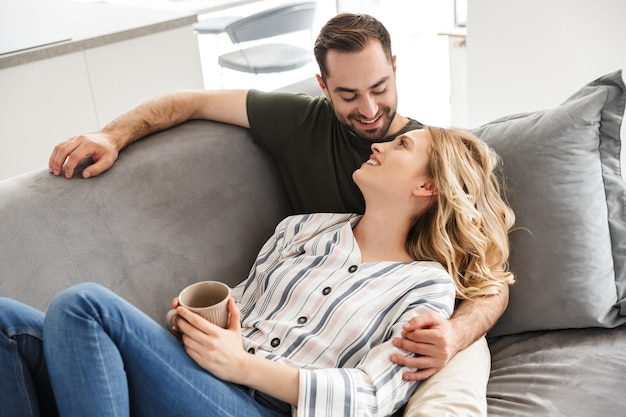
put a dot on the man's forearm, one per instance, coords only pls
(165, 111)
(152, 116)
(474, 318)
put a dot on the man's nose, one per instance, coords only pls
(368, 107)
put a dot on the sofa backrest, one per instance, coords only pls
(191, 203)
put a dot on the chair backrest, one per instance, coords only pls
(273, 22)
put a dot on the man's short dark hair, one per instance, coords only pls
(349, 32)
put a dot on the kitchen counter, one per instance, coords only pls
(32, 30)
(71, 66)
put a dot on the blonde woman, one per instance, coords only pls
(312, 328)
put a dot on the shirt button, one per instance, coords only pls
(353, 268)
(302, 320)
(275, 342)
(251, 350)
(326, 291)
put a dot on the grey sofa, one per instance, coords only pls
(197, 201)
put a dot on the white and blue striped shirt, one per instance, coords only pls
(309, 302)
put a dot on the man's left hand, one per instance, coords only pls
(430, 336)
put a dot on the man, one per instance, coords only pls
(317, 143)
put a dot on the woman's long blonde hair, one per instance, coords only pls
(466, 228)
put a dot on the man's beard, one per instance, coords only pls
(372, 135)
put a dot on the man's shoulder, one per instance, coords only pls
(277, 95)
(281, 103)
(414, 124)
(411, 124)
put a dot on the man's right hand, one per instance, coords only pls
(98, 146)
(156, 114)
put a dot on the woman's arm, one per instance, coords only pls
(437, 340)
(220, 351)
(374, 387)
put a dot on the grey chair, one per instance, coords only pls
(270, 57)
(214, 25)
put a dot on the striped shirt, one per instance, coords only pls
(309, 302)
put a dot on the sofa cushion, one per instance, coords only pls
(574, 372)
(562, 175)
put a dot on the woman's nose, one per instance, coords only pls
(377, 147)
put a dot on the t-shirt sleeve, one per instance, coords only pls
(278, 117)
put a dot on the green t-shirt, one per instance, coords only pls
(315, 153)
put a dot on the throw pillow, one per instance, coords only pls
(562, 174)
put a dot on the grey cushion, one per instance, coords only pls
(562, 172)
(563, 373)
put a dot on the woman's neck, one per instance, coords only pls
(382, 236)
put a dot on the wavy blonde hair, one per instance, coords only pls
(466, 227)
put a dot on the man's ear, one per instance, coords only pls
(322, 84)
(426, 189)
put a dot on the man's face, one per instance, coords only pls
(362, 88)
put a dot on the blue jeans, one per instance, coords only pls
(24, 384)
(107, 358)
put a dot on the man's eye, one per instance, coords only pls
(381, 92)
(348, 99)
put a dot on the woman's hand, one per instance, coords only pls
(219, 351)
(170, 319)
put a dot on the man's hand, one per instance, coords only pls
(430, 336)
(70, 152)
(437, 340)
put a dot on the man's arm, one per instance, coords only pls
(152, 116)
(438, 339)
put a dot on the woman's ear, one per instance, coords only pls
(426, 189)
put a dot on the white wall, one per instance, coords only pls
(47, 101)
(533, 54)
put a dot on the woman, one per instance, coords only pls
(311, 328)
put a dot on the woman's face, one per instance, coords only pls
(398, 168)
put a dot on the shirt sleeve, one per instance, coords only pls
(272, 252)
(249, 290)
(375, 387)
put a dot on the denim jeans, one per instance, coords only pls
(24, 385)
(107, 358)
